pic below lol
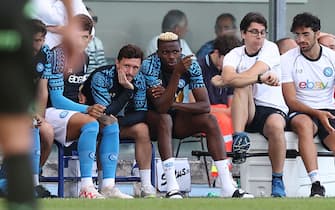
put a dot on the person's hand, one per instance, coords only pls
(56, 29)
(96, 110)
(157, 91)
(184, 64)
(124, 81)
(217, 81)
(37, 120)
(270, 78)
(324, 117)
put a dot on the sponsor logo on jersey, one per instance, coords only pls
(328, 72)
(77, 79)
(39, 67)
(299, 71)
(91, 155)
(63, 114)
(312, 85)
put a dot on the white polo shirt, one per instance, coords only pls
(264, 95)
(313, 79)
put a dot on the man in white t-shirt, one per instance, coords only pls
(257, 107)
(308, 88)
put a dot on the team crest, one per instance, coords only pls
(39, 67)
(63, 114)
(181, 83)
(328, 72)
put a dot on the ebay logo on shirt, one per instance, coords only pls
(312, 85)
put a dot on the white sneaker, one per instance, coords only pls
(90, 192)
(113, 192)
(148, 191)
(174, 194)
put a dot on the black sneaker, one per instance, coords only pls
(239, 193)
(174, 194)
(41, 192)
(317, 190)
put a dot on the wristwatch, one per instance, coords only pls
(259, 80)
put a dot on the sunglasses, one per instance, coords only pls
(95, 18)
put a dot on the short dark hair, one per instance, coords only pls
(226, 43)
(38, 27)
(306, 20)
(130, 51)
(85, 22)
(224, 16)
(250, 18)
(172, 19)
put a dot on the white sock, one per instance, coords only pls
(227, 188)
(314, 176)
(108, 182)
(36, 179)
(100, 176)
(87, 181)
(169, 170)
(145, 175)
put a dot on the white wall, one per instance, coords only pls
(122, 22)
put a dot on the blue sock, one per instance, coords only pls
(36, 151)
(277, 175)
(109, 150)
(86, 148)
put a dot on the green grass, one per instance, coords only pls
(188, 204)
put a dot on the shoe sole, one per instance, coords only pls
(241, 145)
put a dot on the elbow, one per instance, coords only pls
(207, 108)
(227, 80)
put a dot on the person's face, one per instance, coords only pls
(254, 37)
(128, 66)
(327, 41)
(38, 41)
(169, 53)
(217, 59)
(226, 26)
(82, 39)
(181, 29)
(306, 38)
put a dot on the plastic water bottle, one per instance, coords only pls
(212, 195)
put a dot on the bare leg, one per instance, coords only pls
(47, 139)
(243, 108)
(305, 129)
(274, 131)
(16, 142)
(139, 132)
(161, 127)
(330, 141)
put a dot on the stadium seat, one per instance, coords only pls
(63, 160)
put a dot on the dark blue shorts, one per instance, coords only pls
(261, 115)
(322, 133)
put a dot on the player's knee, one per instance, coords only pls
(165, 121)
(141, 131)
